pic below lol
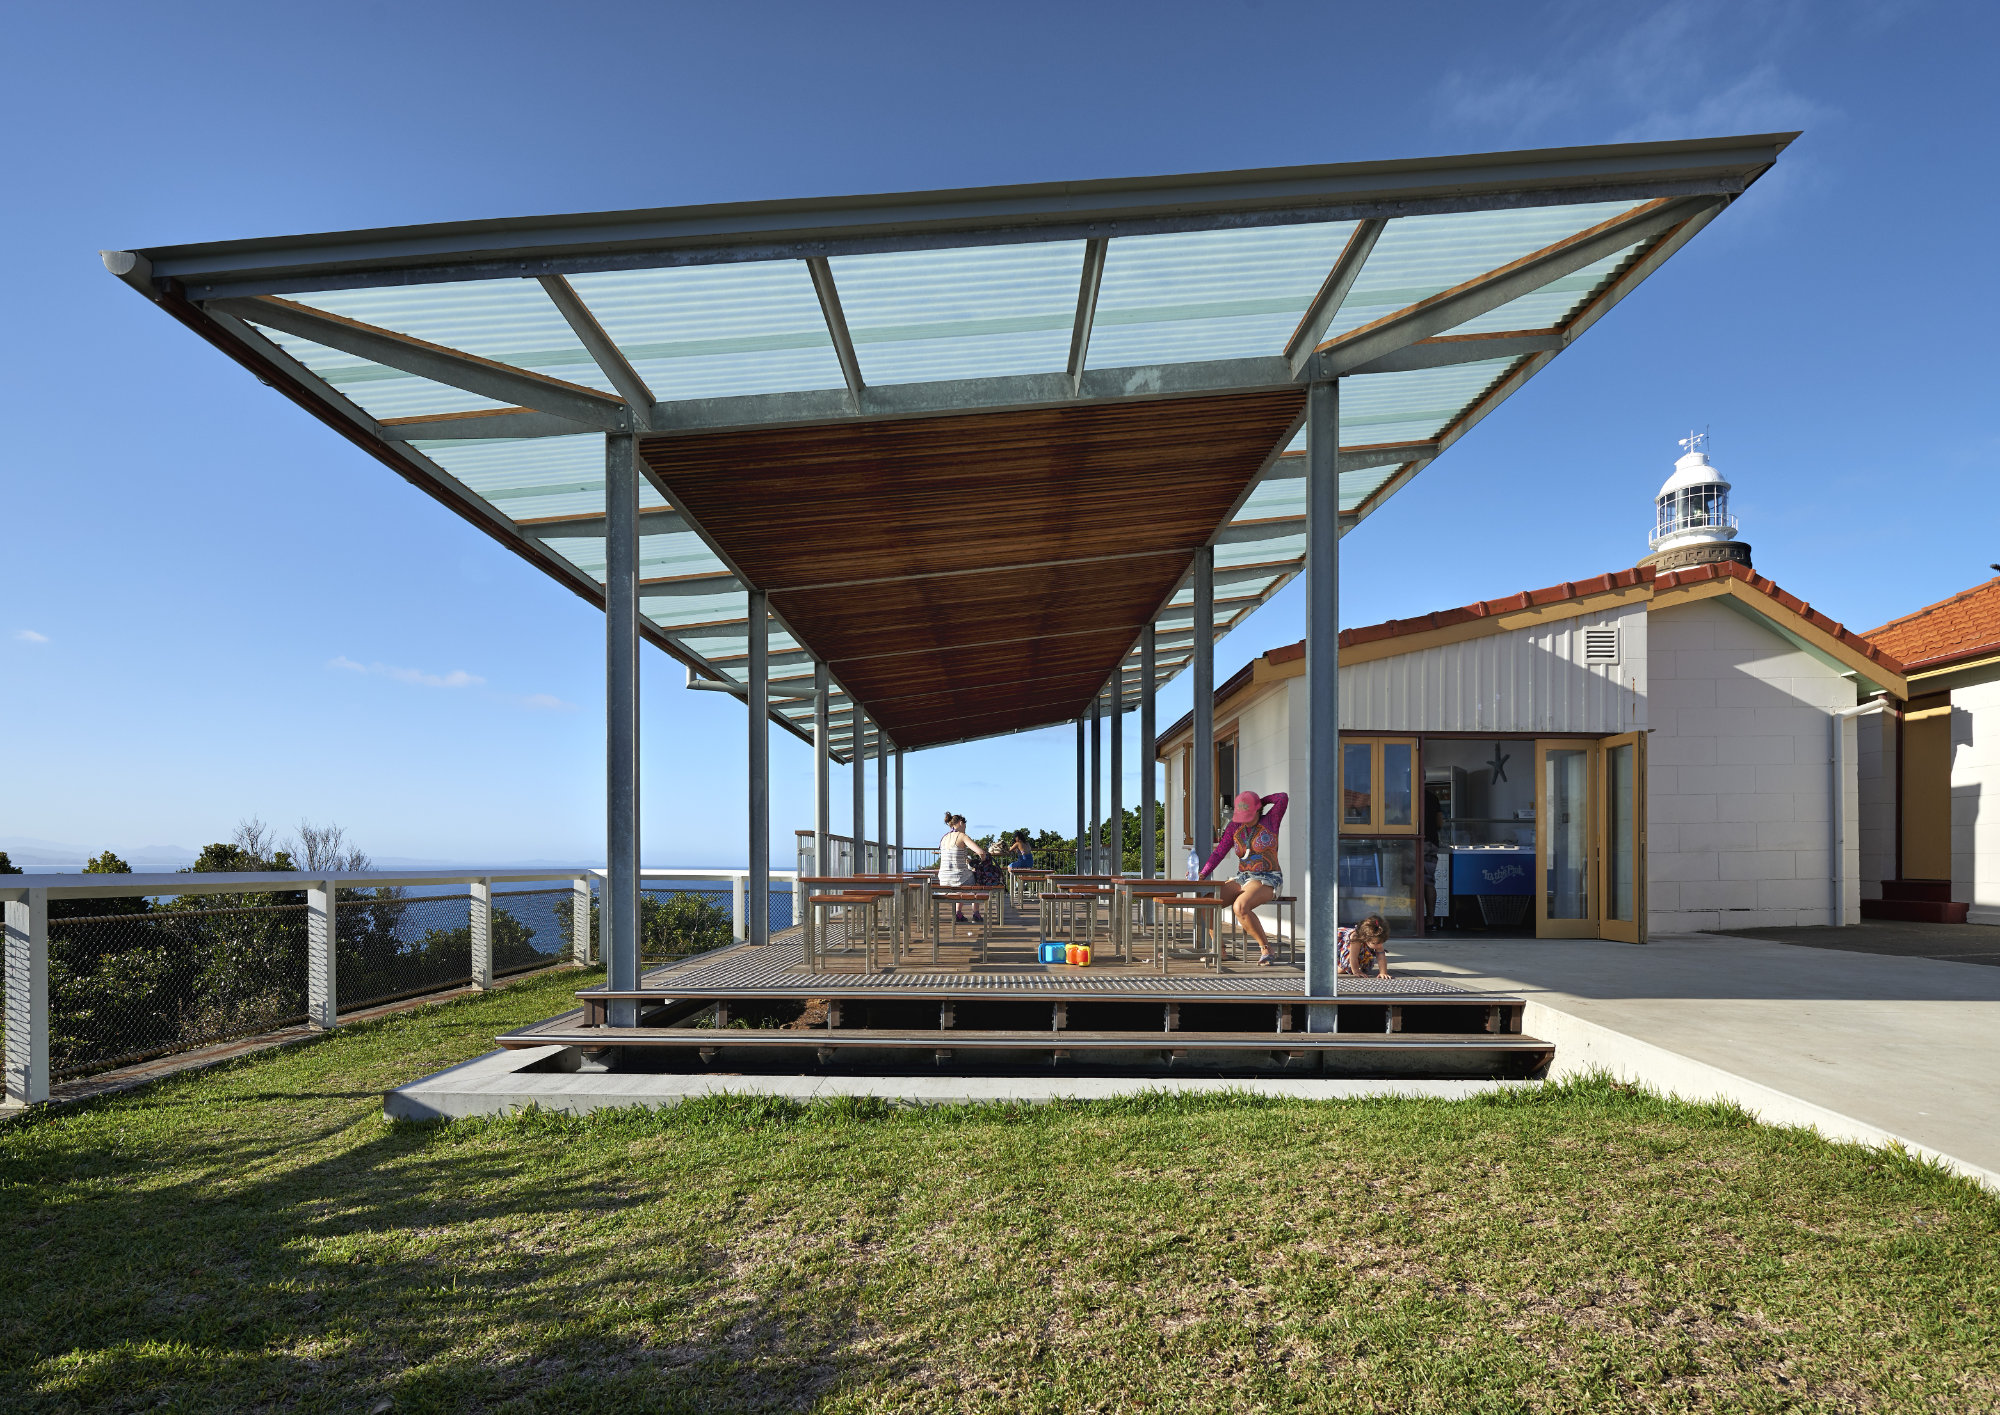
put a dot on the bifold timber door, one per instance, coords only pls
(1566, 856)
(1621, 837)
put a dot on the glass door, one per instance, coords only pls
(1622, 843)
(1566, 903)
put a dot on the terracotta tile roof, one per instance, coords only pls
(1964, 626)
(1618, 580)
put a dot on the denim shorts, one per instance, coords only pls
(1271, 877)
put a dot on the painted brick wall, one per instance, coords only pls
(1740, 765)
(1975, 800)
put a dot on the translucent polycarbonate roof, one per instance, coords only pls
(490, 359)
(982, 312)
(709, 331)
(1198, 295)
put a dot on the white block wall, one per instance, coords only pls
(1975, 800)
(1875, 770)
(1739, 784)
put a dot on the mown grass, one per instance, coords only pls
(258, 1238)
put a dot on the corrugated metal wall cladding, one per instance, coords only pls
(1524, 680)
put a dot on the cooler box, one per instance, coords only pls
(1052, 952)
(1492, 872)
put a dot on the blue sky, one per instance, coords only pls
(211, 607)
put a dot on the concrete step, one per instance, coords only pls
(1915, 911)
(1930, 891)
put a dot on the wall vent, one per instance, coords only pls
(1600, 645)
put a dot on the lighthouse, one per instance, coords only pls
(1692, 524)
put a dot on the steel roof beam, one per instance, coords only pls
(1086, 309)
(482, 424)
(1012, 392)
(1050, 211)
(656, 522)
(684, 586)
(1291, 466)
(610, 359)
(1448, 309)
(836, 325)
(1448, 349)
(485, 377)
(1333, 291)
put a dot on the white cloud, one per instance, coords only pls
(29, 636)
(1676, 70)
(457, 678)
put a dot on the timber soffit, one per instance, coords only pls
(1434, 355)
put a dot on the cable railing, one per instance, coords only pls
(103, 971)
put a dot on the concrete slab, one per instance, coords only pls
(502, 1081)
(1862, 1046)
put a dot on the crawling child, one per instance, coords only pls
(1365, 948)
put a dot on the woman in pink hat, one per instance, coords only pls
(1253, 832)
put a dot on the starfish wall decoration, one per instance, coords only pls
(1498, 762)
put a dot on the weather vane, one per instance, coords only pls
(1695, 441)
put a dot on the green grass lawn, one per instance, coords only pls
(258, 1238)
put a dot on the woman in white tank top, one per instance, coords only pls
(955, 855)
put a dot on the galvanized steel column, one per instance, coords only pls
(857, 747)
(822, 774)
(1076, 865)
(1148, 749)
(619, 940)
(882, 801)
(1322, 822)
(1201, 785)
(1117, 843)
(898, 866)
(757, 696)
(1096, 782)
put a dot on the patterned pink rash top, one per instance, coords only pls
(1255, 842)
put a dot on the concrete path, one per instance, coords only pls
(502, 1081)
(1863, 1046)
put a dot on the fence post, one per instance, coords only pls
(482, 933)
(28, 997)
(322, 999)
(739, 911)
(579, 922)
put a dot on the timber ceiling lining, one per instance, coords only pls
(1017, 592)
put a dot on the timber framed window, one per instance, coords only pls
(1378, 786)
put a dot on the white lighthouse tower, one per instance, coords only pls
(1692, 524)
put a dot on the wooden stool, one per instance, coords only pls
(861, 903)
(1200, 908)
(955, 898)
(1062, 904)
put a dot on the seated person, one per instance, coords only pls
(1365, 947)
(1024, 858)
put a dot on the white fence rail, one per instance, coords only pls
(131, 983)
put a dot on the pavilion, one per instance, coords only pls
(916, 469)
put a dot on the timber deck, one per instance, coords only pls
(777, 970)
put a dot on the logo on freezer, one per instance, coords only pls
(1500, 874)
